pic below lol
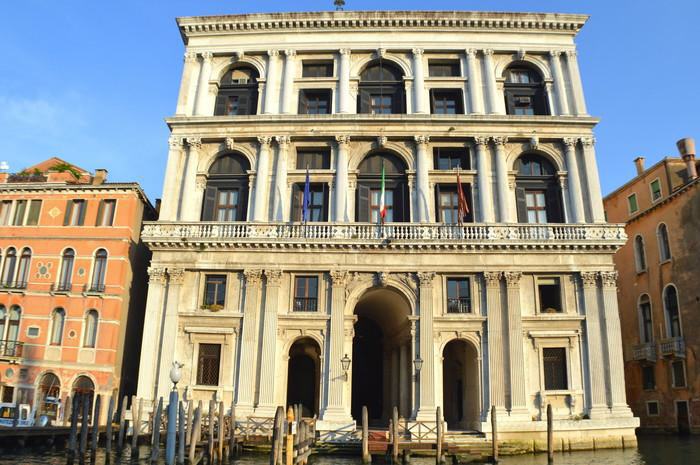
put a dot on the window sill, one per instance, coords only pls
(668, 260)
(206, 387)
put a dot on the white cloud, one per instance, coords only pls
(28, 118)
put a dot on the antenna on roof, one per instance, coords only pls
(4, 166)
(339, 4)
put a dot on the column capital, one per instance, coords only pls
(608, 278)
(274, 277)
(589, 278)
(201, 182)
(417, 51)
(175, 142)
(500, 140)
(273, 53)
(176, 275)
(238, 54)
(283, 141)
(207, 56)
(481, 140)
(571, 53)
(339, 278)
(425, 278)
(252, 276)
(513, 278)
(190, 57)
(264, 141)
(493, 278)
(421, 140)
(554, 53)
(488, 52)
(156, 275)
(587, 141)
(471, 52)
(345, 51)
(290, 53)
(570, 142)
(342, 140)
(230, 142)
(194, 143)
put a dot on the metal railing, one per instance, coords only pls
(13, 285)
(305, 304)
(10, 348)
(644, 352)
(459, 305)
(94, 287)
(61, 287)
(674, 347)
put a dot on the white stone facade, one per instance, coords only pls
(396, 275)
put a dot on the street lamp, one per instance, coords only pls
(176, 374)
(418, 365)
(345, 362)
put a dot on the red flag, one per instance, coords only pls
(462, 207)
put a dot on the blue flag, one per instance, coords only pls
(306, 202)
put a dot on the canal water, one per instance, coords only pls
(653, 450)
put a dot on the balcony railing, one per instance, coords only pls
(407, 234)
(673, 347)
(459, 305)
(61, 287)
(11, 349)
(14, 285)
(644, 352)
(305, 304)
(94, 288)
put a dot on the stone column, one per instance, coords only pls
(476, 102)
(559, 83)
(279, 205)
(595, 199)
(271, 83)
(288, 82)
(483, 181)
(337, 410)
(494, 314)
(426, 406)
(574, 178)
(502, 179)
(491, 85)
(151, 327)
(423, 160)
(404, 382)
(596, 356)
(247, 375)
(613, 340)
(188, 210)
(173, 180)
(518, 391)
(419, 81)
(168, 344)
(345, 99)
(266, 404)
(200, 104)
(575, 79)
(262, 176)
(190, 75)
(341, 179)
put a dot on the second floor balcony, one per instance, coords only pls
(10, 349)
(13, 285)
(672, 347)
(644, 352)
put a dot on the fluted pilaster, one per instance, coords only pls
(262, 180)
(476, 101)
(247, 376)
(494, 312)
(596, 356)
(266, 405)
(483, 180)
(426, 407)
(200, 104)
(423, 167)
(518, 392)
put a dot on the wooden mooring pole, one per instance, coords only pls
(73, 437)
(550, 435)
(395, 434)
(494, 434)
(210, 438)
(366, 457)
(84, 425)
(221, 434)
(108, 429)
(96, 424)
(290, 436)
(276, 431)
(122, 425)
(196, 429)
(439, 459)
(232, 433)
(171, 433)
(157, 423)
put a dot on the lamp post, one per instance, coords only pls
(418, 366)
(345, 362)
(175, 376)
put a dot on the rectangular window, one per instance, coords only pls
(678, 371)
(380, 104)
(226, 208)
(444, 68)
(75, 213)
(208, 364)
(555, 373)
(20, 209)
(315, 69)
(7, 394)
(549, 292)
(536, 206)
(215, 291)
(647, 328)
(652, 408)
(375, 205)
(447, 203)
(314, 102)
(450, 158)
(318, 202)
(105, 212)
(5, 209)
(632, 203)
(446, 102)
(458, 296)
(306, 294)
(236, 102)
(34, 210)
(314, 159)
(648, 377)
(655, 187)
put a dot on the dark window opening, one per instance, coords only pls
(369, 181)
(215, 291)
(653, 408)
(555, 372)
(315, 102)
(306, 294)
(313, 159)
(450, 158)
(226, 194)
(647, 335)
(648, 377)
(549, 290)
(315, 69)
(381, 89)
(33, 215)
(444, 68)
(446, 102)
(524, 92)
(458, 295)
(672, 315)
(318, 202)
(105, 212)
(75, 213)
(447, 203)
(238, 93)
(678, 370)
(208, 364)
(537, 191)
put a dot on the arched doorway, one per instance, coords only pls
(49, 390)
(83, 389)
(304, 375)
(381, 356)
(460, 385)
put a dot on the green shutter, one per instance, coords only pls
(83, 208)
(520, 202)
(209, 204)
(69, 209)
(100, 211)
(362, 207)
(297, 195)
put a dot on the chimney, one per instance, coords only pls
(639, 163)
(100, 177)
(686, 147)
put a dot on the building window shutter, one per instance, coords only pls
(438, 211)
(243, 104)
(297, 195)
(242, 204)
(33, 216)
(209, 203)
(554, 211)
(220, 106)
(83, 208)
(362, 209)
(363, 102)
(69, 209)
(400, 210)
(324, 216)
(100, 211)
(303, 103)
(521, 204)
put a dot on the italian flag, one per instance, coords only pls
(382, 202)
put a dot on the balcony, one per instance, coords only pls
(13, 285)
(644, 352)
(61, 288)
(94, 288)
(672, 347)
(393, 235)
(460, 305)
(10, 349)
(305, 304)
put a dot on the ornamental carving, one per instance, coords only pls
(521, 54)
(290, 53)
(481, 140)
(488, 52)
(408, 279)
(356, 280)
(381, 141)
(342, 140)
(421, 140)
(201, 182)
(383, 278)
(471, 52)
(354, 88)
(238, 55)
(252, 277)
(570, 142)
(274, 277)
(230, 142)
(426, 278)
(493, 278)
(283, 141)
(339, 278)
(418, 51)
(207, 56)
(195, 143)
(273, 53)
(156, 275)
(571, 53)
(512, 278)
(534, 142)
(345, 51)
(264, 141)
(500, 140)
(609, 278)
(589, 278)
(554, 53)
(175, 142)
(176, 275)
(587, 141)
(190, 57)
(381, 52)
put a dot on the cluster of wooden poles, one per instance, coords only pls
(214, 431)
(550, 434)
(292, 441)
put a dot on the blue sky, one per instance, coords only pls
(91, 81)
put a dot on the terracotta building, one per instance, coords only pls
(72, 283)
(659, 297)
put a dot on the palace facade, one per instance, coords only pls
(512, 304)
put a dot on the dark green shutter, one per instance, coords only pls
(220, 106)
(303, 103)
(242, 203)
(297, 194)
(209, 204)
(400, 203)
(83, 209)
(438, 212)
(362, 207)
(521, 204)
(100, 210)
(66, 217)
(243, 104)
(467, 188)
(324, 215)
(363, 101)
(554, 210)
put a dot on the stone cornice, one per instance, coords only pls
(556, 23)
(46, 188)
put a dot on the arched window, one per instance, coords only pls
(645, 321)
(58, 318)
(664, 246)
(369, 189)
(673, 319)
(524, 91)
(48, 393)
(8, 269)
(226, 195)
(66, 277)
(23, 269)
(90, 328)
(640, 256)
(3, 321)
(381, 89)
(238, 92)
(97, 284)
(537, 191)
(11, 347)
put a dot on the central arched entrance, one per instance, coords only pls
(304, 375)
(460, 385)
(382, 356)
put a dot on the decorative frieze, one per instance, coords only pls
(176, 275)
